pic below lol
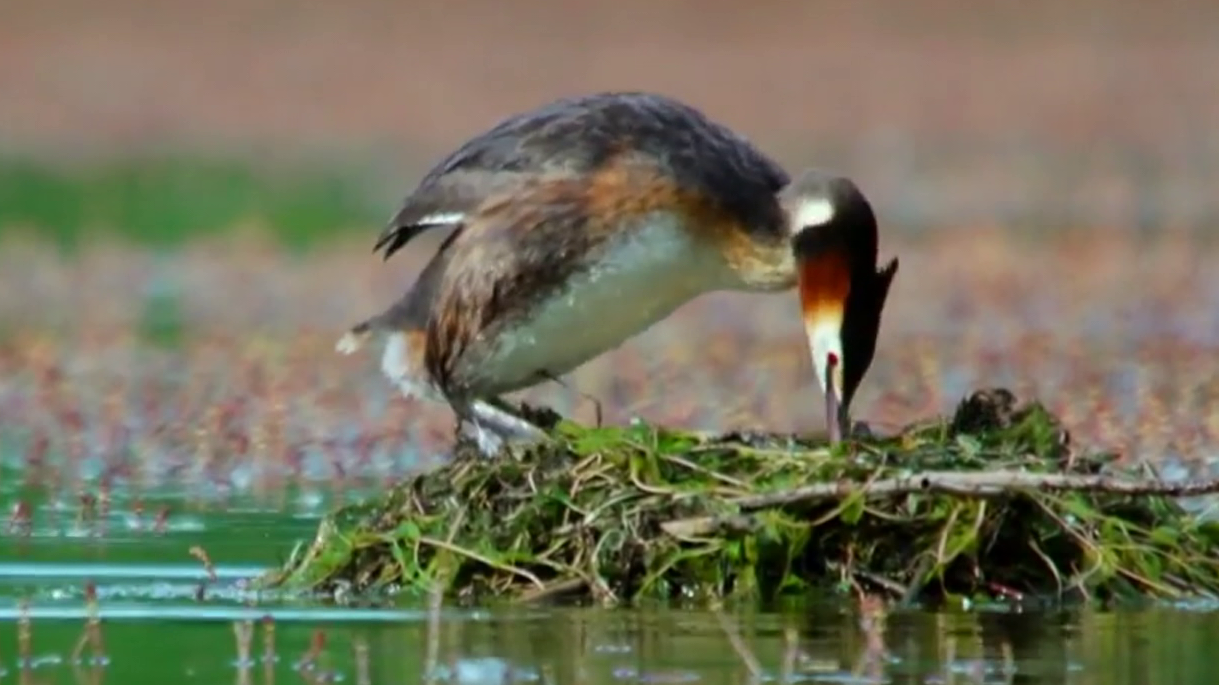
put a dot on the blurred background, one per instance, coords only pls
(189, 196)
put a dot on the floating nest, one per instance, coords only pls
(993, 502)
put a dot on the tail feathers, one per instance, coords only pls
(355, 337)
(402, 364)
(402, 359)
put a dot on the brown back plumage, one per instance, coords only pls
(580, 135)
(521, 247)
(505, 257)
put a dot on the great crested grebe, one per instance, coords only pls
(580, 224)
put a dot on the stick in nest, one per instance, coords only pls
(979, 484)
(972, 484)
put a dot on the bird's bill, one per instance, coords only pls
(824, 284)
(825, 346)
(833, 404)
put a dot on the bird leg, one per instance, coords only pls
(494, 425)
(505, 422)
(489, 444)
(596, 402)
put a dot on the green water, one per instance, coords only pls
(164, 620)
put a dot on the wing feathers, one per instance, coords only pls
(440, 201)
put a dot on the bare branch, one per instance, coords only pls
(970, 484)
(977, 484)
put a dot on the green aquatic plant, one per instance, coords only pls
(993, 501)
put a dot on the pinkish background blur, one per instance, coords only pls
(1046, 170)
(942, 107)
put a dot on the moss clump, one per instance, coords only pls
(949, 506)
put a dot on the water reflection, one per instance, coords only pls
(810, 644)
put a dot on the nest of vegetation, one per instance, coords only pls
(992, 502)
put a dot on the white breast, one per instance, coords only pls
(642, 277)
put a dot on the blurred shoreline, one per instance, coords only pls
(172, 198)
(1096, 112)
(1117, 336)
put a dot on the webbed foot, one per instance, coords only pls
(492, 426)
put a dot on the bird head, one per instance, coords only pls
(842, 293)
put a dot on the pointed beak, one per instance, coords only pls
(823, 303)
(822, 328)
(833, 403)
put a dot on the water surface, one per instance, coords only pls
(166, 618)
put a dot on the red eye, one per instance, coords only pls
(832, 359)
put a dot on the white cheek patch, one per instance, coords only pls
(816, 211)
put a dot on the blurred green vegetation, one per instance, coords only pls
(168, 200)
